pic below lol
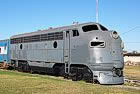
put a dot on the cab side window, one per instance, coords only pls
(75, 33)
(67, 33)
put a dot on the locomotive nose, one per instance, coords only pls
(106, 50)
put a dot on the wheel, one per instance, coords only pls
(62, 71)
(74, 78)
(56, 71)
(88, 75)
(77, 77)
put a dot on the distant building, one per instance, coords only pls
(132, 58)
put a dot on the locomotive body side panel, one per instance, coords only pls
(39, 52)
(79, 49)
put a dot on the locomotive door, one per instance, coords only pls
(67, 51)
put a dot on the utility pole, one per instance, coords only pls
(97, 13)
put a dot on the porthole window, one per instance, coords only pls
(21, 46)
(55, 44)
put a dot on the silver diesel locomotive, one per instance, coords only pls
(86, 51)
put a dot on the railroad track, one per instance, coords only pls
(132, 81)
(136, 85)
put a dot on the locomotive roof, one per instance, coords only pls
(51, 30)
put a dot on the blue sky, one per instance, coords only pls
(19, 16)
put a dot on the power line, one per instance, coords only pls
(131, 42)
(130, 30)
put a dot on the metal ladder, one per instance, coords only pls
(67, 68)
(67, 52)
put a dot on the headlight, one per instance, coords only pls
(115, 35)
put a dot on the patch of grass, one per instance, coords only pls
(12, 82)
(132, 72)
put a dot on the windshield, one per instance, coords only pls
(90, 28)
(103, 28)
